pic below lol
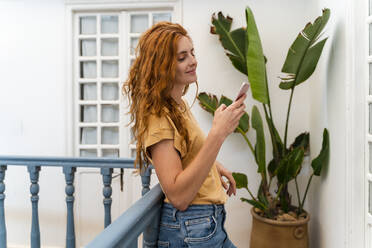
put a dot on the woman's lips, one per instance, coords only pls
(191, 72)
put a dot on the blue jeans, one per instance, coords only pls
(199, 226)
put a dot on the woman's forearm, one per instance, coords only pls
(188, 182)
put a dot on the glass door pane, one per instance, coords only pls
(109, 24)
(88, 69)
(110, 135)
(88, 113)
(110, 153)
(370, 39)
(88, 135)
(370, 78)
(139, 23)
(110, 69)
(370, 118)
(158, 17)
(110, 91)
(88, 47)
(88, 91)
(110, 113)
(88, 153)
(110, 47)
(370, 197)
(88, 25)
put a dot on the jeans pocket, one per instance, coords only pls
(163, 244)
(167, 222)
(200, 229)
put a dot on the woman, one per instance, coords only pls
(169, 137)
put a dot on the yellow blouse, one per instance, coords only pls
(159, 128)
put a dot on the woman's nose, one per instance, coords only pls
(193, 60)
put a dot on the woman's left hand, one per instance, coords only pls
(223, 172)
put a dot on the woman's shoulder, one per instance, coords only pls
(160, 121)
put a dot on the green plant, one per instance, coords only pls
(244, 49)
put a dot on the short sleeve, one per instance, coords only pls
(161, 128)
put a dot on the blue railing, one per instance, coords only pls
(141, 217)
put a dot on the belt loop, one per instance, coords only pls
(215, 210)
(174, 213)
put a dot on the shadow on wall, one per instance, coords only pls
(331, 70)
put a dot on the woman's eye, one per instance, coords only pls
(181, 59)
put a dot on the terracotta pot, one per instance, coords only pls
(267, 233)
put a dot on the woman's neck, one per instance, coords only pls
(177, 93)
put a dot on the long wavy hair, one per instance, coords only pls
(151, 79)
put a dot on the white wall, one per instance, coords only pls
(336, 199)
(327, 198)
(32, 111)
(33, 73)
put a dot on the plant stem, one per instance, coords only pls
(286, 123)
(278, 193)
(307, 188)
(246, 139)
(271, 179)
(270, 124)
(298, 193)
(268, 95)
(251, 194)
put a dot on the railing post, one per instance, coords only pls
(70, 189)
(150, 234)
(34, 190)
(107, 191)
(2, 212)
(146, 178)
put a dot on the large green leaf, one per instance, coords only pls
(256, 67)
(210, 103)
(233, 41)
(302, 141)
(290, 166)
(241, 180)
(310, 61)
(253, 203)
(238, 63)
(294, 163)
(260, 140)
(271, 168)
(304, 53)
(262, 198)
(323, 158)
(282, 170)
(277, 144)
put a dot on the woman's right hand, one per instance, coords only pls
(226, 119)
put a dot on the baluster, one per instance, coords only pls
(2, 214)
(70, 189)
(34, 189)
(134, 244)
(145, 178)
(150, 234)
(107, 191)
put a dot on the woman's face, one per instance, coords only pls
(186, 62)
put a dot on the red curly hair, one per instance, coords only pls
(150, 82)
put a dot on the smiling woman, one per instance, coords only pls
(169, 137)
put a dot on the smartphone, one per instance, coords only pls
(243, 89)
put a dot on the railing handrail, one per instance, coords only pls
(71, 162)
(69, 166)
(126, 228)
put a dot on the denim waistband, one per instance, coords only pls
(215, 209)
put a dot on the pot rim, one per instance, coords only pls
(280, 223)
